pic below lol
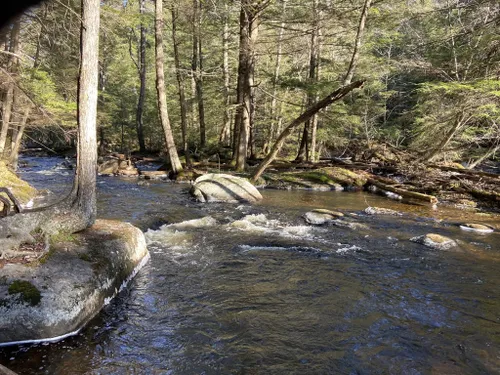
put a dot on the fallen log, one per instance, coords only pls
(403, 192)
(468, 172)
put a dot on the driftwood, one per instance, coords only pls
(403, 192)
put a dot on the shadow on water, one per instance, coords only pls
(254, 290)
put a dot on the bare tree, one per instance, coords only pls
(9, 97)
(160, 89)
(141, 68)
(180, 84)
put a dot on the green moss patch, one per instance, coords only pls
(21, 189)
(29, 293)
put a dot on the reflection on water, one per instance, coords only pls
(252, 289)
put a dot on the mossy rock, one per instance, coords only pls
(331, 176)
(29, 293)
(21, 189)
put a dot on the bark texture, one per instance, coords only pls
(160, 89)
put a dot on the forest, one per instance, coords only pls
(419, 83)
(336, 196)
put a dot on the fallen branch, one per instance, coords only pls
(310, 112)
(404, 193)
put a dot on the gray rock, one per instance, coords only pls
(381, 211)
(75, 280)
(479, 228)
(110, 166)
(435, 241)
(321, 216)
(224, 188)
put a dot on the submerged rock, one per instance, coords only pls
(70, 284)
(435, 241)
(381, 211)
(321, 216)
(479, 228)
(224, 188)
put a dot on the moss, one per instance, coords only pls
(29, 293)
(46, 256)
(21, 189)
(63, 237)
(344, 176)
(86, 257)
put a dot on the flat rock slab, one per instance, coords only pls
(217, 187)
(79, 275)
(479, 228)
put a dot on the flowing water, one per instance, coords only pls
(252, 289)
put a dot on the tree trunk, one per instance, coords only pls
(17, 136)
(305, 116)
(492, 150)
(309, 134)
(276, 75)
(160, 89)
(9, 97)
(83, 198)
(225, 133)
(180, 85)
(246, 65)
(357, 42)
(459, 121)
(196, 67)
(142, 77)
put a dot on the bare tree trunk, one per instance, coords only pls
(197, 67)
(84, 185)
(160, 89)
(142, 77)
(249, 28)
(225, 133)
(309, 134)
(305, 116)
(315, 76)
(17, 136)
(276, 75)
(357, 42)
(492, 150)
(180, 85)
(459, 121)
(9, 98)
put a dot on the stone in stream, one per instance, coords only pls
(109, 166)
(224, 188)
(435, 241)
(381, 211)
(71, 283)
(479, 228)
(321, 216)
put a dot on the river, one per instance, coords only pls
(252, 289)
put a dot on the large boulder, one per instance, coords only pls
(58, 295)
(224, 188)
